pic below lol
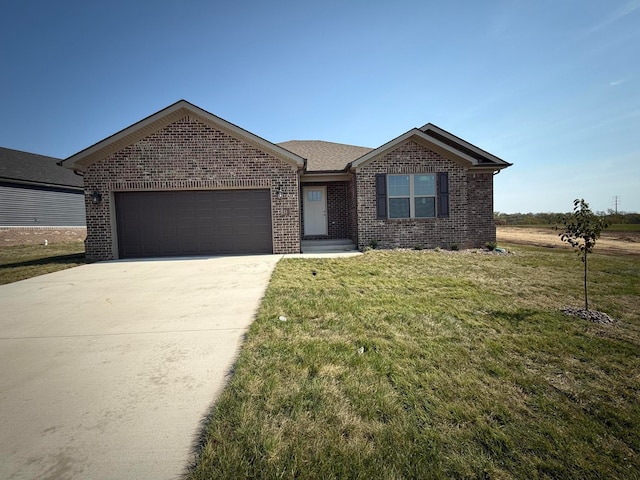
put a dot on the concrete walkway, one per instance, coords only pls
(107, 369)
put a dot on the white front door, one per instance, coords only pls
(315, 210)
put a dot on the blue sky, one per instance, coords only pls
(551, 86)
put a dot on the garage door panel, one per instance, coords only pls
(193, 223)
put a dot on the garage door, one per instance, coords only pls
(152, 224)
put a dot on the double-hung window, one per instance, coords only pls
(412, 196)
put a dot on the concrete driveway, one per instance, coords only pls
(107, 369)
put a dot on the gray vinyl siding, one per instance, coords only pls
(27, 206)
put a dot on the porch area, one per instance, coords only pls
(328, 213)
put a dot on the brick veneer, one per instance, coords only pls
(480, 193)
(189, 155)
(352, 209)
(470, 221)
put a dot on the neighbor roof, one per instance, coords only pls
(17, 166)
(325, 156)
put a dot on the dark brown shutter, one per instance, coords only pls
(443, 194)
(381, 195)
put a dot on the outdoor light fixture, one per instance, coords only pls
(279, 192)
(96, 197)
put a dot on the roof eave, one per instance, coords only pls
(488, 168)
(34, 183)
(483, 153)
(326, 172)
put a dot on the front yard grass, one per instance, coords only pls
(25, 261)
(423, 364)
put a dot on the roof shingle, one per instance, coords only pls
(33, 168)
(325, 156)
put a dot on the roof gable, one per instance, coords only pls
(443, 142)
(157, 121)
(30, 168)
(482, 156)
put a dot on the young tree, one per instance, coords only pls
(582, 229)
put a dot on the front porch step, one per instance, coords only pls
(327, 246)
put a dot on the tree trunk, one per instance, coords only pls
(586, 300)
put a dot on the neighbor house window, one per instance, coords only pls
(412, 196)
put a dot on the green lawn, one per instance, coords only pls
(468, 370)
(26, 261)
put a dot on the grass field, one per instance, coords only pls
(625, 227)
(612, 242)
(406, 364)
(616, 227)
(25, 261)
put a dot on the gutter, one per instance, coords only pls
(61, 186)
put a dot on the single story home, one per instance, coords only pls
(186, 182)
(36, 192)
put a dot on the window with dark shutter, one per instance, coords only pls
(381, 195)
(443, 194)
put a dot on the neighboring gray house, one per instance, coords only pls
(36, 192)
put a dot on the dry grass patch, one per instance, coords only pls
(468, 370)
(614, 242)
(20, 262)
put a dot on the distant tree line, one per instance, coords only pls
(611, 216)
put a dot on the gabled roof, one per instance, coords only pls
(443, 142)
(157, 121)
(30, 168)
(482, 156)
(325, 156)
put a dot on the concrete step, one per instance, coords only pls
(320, 246)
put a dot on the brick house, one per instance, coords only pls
(186, 182)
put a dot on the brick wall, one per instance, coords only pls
(337, 211)
(470, 221)
(190, 155)
(352, 210)
(482, 228)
